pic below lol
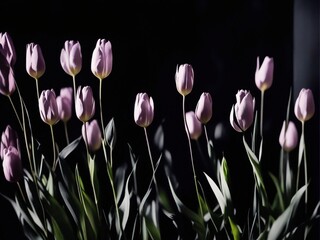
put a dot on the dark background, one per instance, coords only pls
(220, 39)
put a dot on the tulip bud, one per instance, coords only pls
(143, 110)
(194, 125)
(7, 80)
(71, 57)
(204, 108)
(264, 75)
(184, 79)
(64, 102)
(9, 138)
(101, 62)
(304, 107)
(48, 107)
(241, 115)
(12, 165)
(35, 63)
(7, 48)
(85, 103)
(92, 135)
(288, 138)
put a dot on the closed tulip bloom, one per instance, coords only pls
(7, 48)
(35, 63)
(12, 165)
(9, 138)
(143, 110)
(64, 102)
(184, 79)
(264, 73)
(241, 115)
(85, 103)
(204, 108)
(194, 125)
(7, 79)
(48, 107)
(288, 138)
(92, 135)
(71, 57)
(101, 61)
(304, 106)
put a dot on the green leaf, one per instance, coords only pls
(234, 229)
(111, 134)
(159, 138)
(221, 199)
(279, 192)
(153, 230)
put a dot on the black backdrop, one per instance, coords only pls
(221, 39)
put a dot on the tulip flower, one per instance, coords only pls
(85, 103)
(12, 165)
(71, 57)
(304, 106)
(92, 135)
(48, 107)
(7, 48)
(143, 110)
(184, 79)
(204, 108)
(101, 62)
(35, 64)
(9, 138)
(241, 115)
(288, 138)
(64, 102)
(264, 73)
(194, 125)
(7, 80)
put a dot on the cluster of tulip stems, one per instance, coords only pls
(58, 200)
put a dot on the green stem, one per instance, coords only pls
(305, 164)
(37, 87)
(150, 156)
(74, 88)
(15, 111)
(100, 101)
(54, 165)
(206, 133)
(66, 132)
(261, 125)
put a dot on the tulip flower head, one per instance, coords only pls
(204, 108)
(85, 103)
(12, 165)
(91, 134)
(7, 80)
(143, 110)
(241, 115)
(71, 57)
(7, 48)
(304, 106)
(194, 125)
(184, 79)
(35, 64)
(64, 102)
(102, 59)
(48, 107)
(9, 138)
(264, 73)
(288, 138)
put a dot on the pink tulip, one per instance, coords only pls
(12, 165)
(143, 110)
(288, 138)
(264, 74)
(35, 63)
(71, 57)
(304, 106)
(184, 79)
(194, 125)
(204, 108)
(64, 102)
(241, 115)
(101, 61)
(7, 48)
(91, 134)
(85, 103)
(48, 107)
(9, 138)
(7, 80)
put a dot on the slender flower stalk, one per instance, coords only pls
(54, 165)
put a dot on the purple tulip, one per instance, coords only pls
(143, 110)
(35, 64)
(64, 102)
(264, 74)
(194, 125)
(71, 57)
(92, 135)
(7, 80)
(204, 108)
(48, 107)
(184, 79)
(9, 138)
(7, 48)
(241, 115)
(304, 107)
(12, 165)
(101, 62)
(85, 103)
(288, 138)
